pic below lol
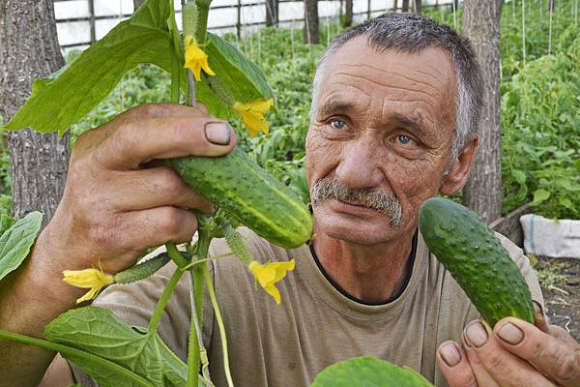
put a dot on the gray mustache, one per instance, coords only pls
(384, 203)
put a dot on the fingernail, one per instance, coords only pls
(218, 133)
(476, 334)
(538, 312)
(450, 354)
(511, 334)
(540, 319)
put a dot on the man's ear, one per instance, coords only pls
(458, 173)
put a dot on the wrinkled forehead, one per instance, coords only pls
(431, 66)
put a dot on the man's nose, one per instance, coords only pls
(358, 166)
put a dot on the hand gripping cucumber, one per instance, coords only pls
(249, 194)
(471, 252)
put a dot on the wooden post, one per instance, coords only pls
(239, 20)
(311, 33)
(483, 191)
(348, 8)
(136, 4)
(417, 7)
(271, 13)
(92, 21)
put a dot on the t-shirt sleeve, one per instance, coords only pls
(517, 254)
(134, 304)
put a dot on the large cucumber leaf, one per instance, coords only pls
(98, 332)
(237, 78)
(15, 243)
(71, 93)
(120, 376)
(368, 371)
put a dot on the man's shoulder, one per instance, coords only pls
(515, 252)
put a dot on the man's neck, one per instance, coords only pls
(370, 273)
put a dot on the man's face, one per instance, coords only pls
(384, 127)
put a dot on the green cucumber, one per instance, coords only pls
(474, 256)
(142, 270)
(250, 195)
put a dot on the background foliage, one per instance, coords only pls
(540, 105)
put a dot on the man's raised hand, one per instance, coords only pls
(513, 354)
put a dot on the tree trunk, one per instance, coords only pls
(29, 49)
(311, 35)
(271, 13)
(482, 193)
(137, 4)
(347, 21)
(405, 6)
(417, 6)
(395, 4)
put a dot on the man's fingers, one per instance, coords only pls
(137, 142)
(455, 366)
(159, 110)
(557, 355)
(482, 376)
(152, 187)
(503, 366)
(540, 318)
(156, 226)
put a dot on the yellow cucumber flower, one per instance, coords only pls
(252, 114)
(269, 274)
(195, 58)
(93, 279)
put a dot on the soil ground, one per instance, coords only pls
(560, 281)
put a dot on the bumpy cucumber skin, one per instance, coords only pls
(253, 197)
(471, 252)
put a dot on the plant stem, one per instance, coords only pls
(175, 76)
(195, 338)
(203, 11)
(164, 299)
(220, 322)
(175, 255)
(193, 347)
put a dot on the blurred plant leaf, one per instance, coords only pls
(369, 371)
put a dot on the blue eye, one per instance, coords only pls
(403, 139)
(338, 124)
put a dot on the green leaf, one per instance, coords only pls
(540, 196)
(566, 202)
(519, 176)
(369, 372)
(16, 242)
(67, 96)
(237, 79)
(123, 377)
(97, 331)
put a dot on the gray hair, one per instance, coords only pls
(409, 34)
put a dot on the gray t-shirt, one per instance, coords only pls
(316, 324)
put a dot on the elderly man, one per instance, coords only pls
(393, 123)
